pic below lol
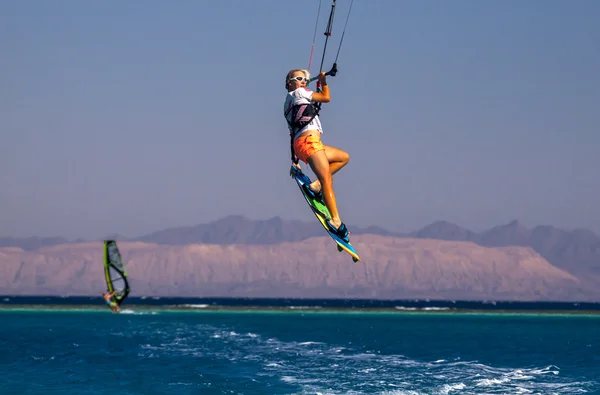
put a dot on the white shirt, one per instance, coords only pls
(300, 96)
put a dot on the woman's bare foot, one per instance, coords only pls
(339, 228)
(335, 222)
(315, 186)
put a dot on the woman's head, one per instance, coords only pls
(296, 78)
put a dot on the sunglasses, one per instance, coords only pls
(299, 79)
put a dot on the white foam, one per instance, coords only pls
(303, 307)
(368, 370)
(318, 367)
(491, 382)
(403, 308)
(42, 358)
(448, 388)
(135, 312)
(195, 306)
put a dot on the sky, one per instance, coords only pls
(132, 117)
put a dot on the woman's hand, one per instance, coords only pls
(322, 77)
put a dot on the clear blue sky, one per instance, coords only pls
(130, 117)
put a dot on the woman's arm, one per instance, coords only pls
(323, 96)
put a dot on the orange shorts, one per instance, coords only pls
(305, 146)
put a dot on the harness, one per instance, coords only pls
(301, 116)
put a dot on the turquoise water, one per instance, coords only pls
(294, 352)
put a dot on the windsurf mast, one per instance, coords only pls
(114, 272)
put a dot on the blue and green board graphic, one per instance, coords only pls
(321, 212)
(114, 272)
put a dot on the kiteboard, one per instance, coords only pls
(114, 272)
(321, 212)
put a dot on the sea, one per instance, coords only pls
(75, 345)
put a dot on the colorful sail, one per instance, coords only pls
(114, 271)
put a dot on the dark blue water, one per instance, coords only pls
(296, 352)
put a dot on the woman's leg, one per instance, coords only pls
(337, 159)
(319, 164)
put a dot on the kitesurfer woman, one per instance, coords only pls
(305, 133)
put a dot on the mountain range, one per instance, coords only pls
(443, 259)
(577, 251)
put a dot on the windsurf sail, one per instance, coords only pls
(114, 271)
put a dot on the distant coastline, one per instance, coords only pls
(8, 302)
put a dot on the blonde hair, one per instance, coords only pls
(291, 72)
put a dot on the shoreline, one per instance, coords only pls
(198, 308)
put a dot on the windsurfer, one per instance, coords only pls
(109, 299)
